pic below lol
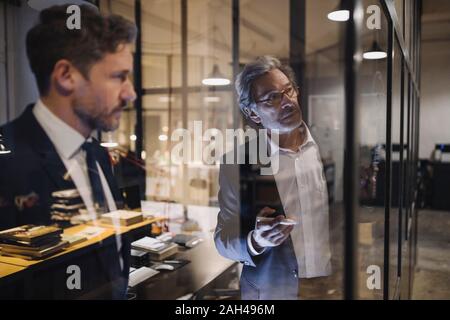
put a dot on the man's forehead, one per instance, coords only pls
(272, 80)
(121, 59)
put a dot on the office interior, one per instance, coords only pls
(380, 121)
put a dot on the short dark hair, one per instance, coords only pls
(50, 41)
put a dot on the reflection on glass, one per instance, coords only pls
(372, 163)
(396, 174)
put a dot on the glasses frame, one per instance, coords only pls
(283, 92)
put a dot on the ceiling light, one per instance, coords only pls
(109, 142)
(341, 13)
(216, 78)
(375, 52)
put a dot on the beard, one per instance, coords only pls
(103, 120)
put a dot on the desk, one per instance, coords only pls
(70, 231)
(9, 276)
(145, 224)
(9, 269)
(46, 278)
(98, 258)
(205, 267)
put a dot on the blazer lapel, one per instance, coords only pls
(51, 161)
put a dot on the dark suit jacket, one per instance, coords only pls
(273, 274)
(33, 170)
(29, 175)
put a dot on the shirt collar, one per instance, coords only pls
(274, 148)
(67, 141)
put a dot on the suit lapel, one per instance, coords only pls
(42, 145)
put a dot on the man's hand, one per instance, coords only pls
(270, 233)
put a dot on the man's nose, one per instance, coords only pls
(128, 93)
(286, 101)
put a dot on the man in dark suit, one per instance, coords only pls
(274, 221)
(82, 76)
(83, 80)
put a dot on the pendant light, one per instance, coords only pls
(109, 142)
(215, 78)
(375, 52)
(341, 13)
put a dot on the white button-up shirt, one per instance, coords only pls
(305, 199)
(68, 142)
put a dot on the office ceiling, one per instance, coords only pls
(264, 27)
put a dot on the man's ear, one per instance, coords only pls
(64, 77)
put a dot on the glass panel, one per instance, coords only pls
(408, 24)
(413, 41)
(325, 101)
(394, 219)
(400, 12)
(161, 44)
(264, 29)
(124, 156)
(373, 114)
(407, 210)
(405, 143)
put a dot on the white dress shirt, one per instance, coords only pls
(304, 198)
(68, 142)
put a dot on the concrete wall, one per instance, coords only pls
(435, 100)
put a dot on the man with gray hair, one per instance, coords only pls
(282, 235)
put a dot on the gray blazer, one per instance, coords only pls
(274, 273)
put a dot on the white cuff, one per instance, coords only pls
(252, 250)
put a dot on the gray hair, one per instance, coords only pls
(252, 71)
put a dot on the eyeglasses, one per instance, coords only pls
(274, 98)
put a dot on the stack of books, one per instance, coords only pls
(122, 218)
(31, 242)
(157, 249)
(66, 205)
